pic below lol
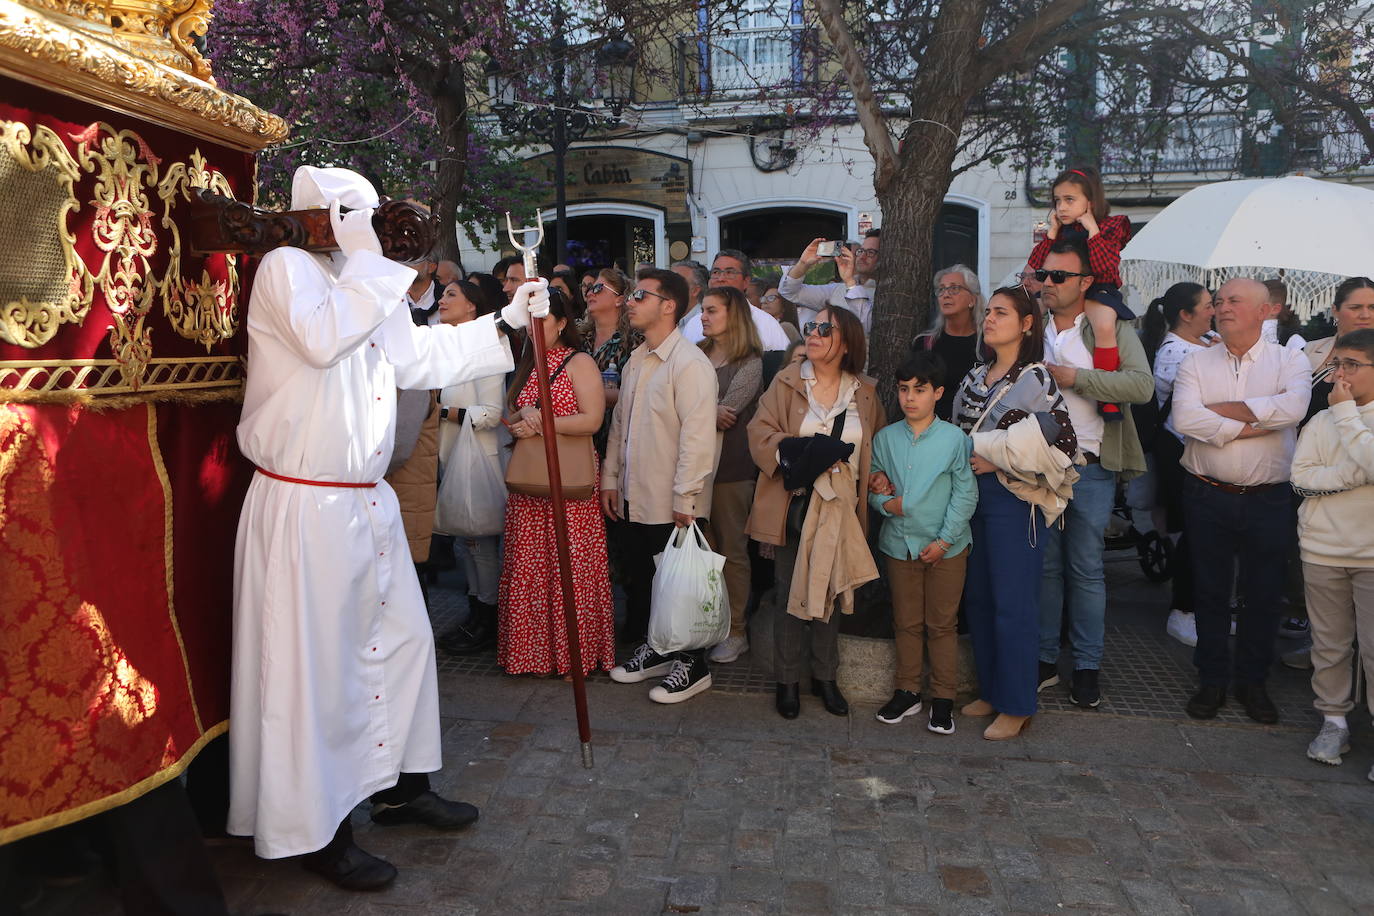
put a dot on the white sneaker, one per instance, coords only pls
(1182, 626)
(686, 680)
(729, 649)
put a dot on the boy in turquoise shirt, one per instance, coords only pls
(923, 485)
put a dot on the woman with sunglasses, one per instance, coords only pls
(733, 346)
(784, 311)
(608, 337)
(820, 395)
(1002, 585)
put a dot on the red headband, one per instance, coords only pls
(1078, 173)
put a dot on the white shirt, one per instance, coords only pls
(820, 420)
(1168, 358)
(771, 334)
(1274, 382)
(333, 690)
(1270, 331)
(424, 303)
(811, 298)
(1066, 348)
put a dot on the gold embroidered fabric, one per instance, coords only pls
(43, 283)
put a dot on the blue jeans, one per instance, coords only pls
(1000, 596)
(1073, 568)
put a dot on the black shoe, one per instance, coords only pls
(1084, 690)
(1293, 628)
(941, 716)
(831, 698)
(1205, 703)
(1049, 676)
(788, 700)
(1257, 704)
(903, 703)
(428, 809)
(475, 636)
(352, 870)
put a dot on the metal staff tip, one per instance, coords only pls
(529, 251)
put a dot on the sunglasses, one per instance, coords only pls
(639, 294)
(599, 286)
(821, 328)
(1057, 276)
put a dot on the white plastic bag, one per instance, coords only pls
(690, 607)
(472, 495)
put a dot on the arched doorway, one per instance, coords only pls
(956, 237)
(776, 235)
(607, 234)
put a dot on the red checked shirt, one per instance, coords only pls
(1104, 249)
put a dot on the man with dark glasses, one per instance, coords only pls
(660, 458)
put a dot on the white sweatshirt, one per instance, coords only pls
(1334, 469)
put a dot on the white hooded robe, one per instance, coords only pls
(334, 690)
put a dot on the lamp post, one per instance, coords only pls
(567, 119)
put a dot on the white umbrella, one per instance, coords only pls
(1312, 233)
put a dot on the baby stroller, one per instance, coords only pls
(1152, 550)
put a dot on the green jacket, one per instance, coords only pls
(1131, 383)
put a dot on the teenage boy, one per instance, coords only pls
(1333, 468)
(923, 486)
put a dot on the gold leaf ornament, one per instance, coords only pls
(43, 282)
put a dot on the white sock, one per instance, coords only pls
(1339, 721)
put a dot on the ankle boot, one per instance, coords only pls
(477, 635)
(788, 700)
(831, 698)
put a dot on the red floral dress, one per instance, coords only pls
(532, 638)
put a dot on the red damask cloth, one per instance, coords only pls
(117, 519)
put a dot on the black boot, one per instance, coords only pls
(788, 700)
(831, 698)
(476, 635)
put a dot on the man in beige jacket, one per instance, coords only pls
(660, 457)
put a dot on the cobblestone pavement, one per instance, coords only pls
(720, 806)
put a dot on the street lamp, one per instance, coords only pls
(566, 119)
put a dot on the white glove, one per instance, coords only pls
(353, 231)
(531, 299)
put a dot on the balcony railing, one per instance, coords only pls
(746, 62)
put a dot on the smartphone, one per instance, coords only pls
(828, 249)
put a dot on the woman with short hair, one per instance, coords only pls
(954, 328)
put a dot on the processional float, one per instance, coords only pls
(126, 190)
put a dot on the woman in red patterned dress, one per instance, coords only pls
(532, 638)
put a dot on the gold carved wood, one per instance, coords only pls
(65, 47)
(137, 206)
(43, 283)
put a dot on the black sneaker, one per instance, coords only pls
(903, 703)
(686, 680)
(941, 716)
(642, 665)
(1083, 691)
(1049, 675)
(1293, 628)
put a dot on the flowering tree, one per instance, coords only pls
(381, 87)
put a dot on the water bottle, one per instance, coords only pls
(611, 377)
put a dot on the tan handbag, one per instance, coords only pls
(528, 471)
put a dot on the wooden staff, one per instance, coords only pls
(560, 517)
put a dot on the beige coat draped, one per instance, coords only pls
(781, 410)
(833, 559)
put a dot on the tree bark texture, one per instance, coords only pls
(450, 111)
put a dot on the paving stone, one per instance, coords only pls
(693, 891)
(961, 879)
(754, 885)
(1321, 901)
(586, 884)
(1032, 896)
(804, 898)
(1152, 897)
(917, 888)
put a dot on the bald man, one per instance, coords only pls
(1238, 407)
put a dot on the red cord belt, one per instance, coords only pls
(317, 483)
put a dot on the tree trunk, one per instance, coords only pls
(911, 200)
(450, 111)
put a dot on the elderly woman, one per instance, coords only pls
(954, 332)
(480, 402)
(817, 410)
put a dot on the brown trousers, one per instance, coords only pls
(925, 599)
(730, 505)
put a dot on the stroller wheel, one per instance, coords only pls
(1155, 553)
